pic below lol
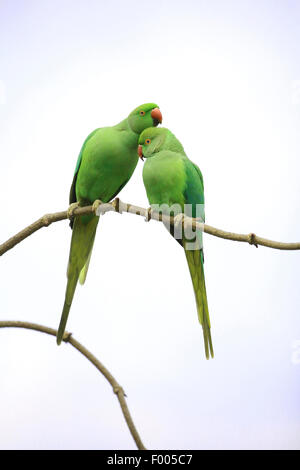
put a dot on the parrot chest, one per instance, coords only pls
(108, 161)
(164, 179)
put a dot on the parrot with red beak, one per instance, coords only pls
(105, 164)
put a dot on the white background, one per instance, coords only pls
(226, 76)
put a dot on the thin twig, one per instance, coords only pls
(117, 389)
(119, 206)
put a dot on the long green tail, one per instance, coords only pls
(82, 241)
(195, 263)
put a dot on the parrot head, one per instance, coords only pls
(146, 115)
(151, 141)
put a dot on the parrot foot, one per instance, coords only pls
(70, 211)
(148, 215)
(95, 205)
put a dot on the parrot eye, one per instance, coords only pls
(147, 141)
(142, 113)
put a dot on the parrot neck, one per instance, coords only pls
(131, 136)
(124, 126)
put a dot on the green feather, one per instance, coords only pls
(195, 264)
(81, 245)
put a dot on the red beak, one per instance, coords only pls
(140, 152)
(156, 115)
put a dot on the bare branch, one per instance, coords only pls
(119, 206)
(68, 338)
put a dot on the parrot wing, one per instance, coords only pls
(72, 196)
(194, 190)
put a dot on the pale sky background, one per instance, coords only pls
(226, 75)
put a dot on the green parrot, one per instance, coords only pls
(174, 185)
(105, 164)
